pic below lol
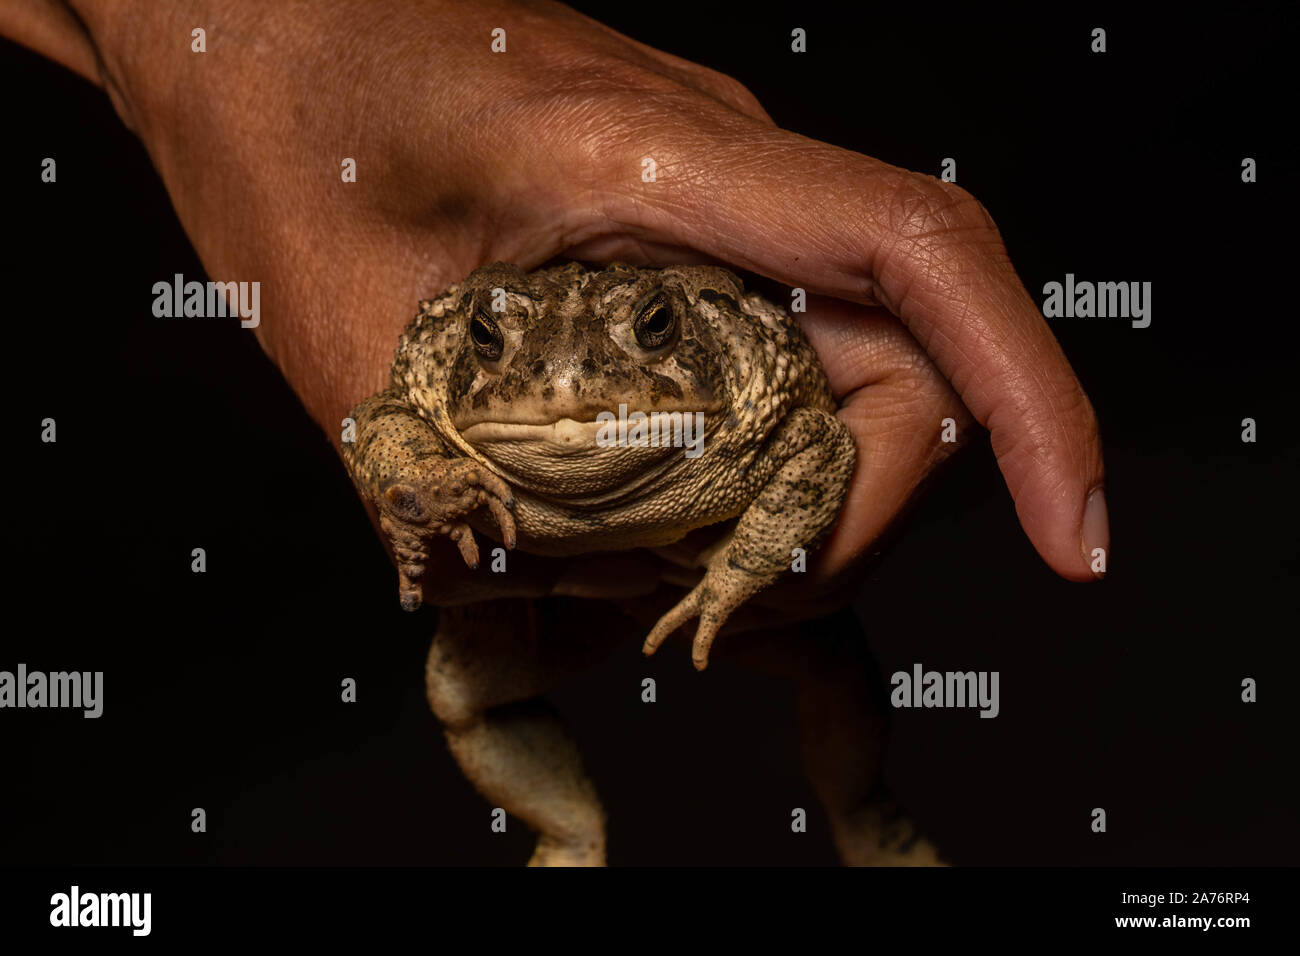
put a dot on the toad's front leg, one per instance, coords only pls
(433, 499)
(795, 509)
(421, 491)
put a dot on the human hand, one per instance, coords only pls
(465, 156)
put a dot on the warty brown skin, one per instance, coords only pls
(501, 442)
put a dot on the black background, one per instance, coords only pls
(222, 689)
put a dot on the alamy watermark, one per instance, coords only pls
(78, 690)
(1098, 300)
(923, 688)
(76, 908)
(208, 300)
(655, 430)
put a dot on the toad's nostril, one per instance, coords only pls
(589, 367)
(538, 368)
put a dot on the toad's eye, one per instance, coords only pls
(488, 340)
(656, 324)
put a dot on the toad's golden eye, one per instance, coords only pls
(488, 340)
(656, 324)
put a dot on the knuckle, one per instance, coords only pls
(598, 113)
(730, 91)
(920, 206)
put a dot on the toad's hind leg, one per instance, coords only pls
(843, 716)
(485, 671)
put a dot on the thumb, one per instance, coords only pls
(838, 223)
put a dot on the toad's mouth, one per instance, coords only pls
(564, 433)
(575, 460)
(607, 428)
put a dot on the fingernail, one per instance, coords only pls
(1096, 533)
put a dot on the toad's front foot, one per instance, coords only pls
(411, 511)
(725, 587)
